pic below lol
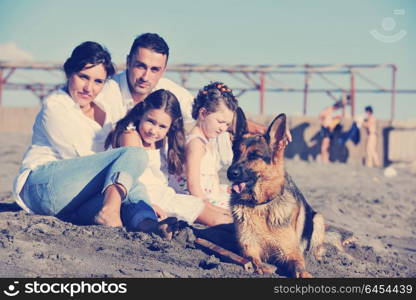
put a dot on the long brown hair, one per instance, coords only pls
(160, 99)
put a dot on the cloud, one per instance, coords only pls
(11, 52)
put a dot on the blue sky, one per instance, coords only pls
(228, 32)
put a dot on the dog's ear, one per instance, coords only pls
(276, 136)
(239, 125)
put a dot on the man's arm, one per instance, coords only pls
(254, 127)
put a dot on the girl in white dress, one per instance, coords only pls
(213, 109)
(152, 124)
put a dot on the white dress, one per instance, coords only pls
(184, 207)
(209, 180)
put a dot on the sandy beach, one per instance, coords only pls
(378, 210)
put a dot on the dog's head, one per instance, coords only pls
(257, 171)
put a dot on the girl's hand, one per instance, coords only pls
(206, 201)
(160, 213)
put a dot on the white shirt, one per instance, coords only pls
(154, 177)
(62, 131)
(185, 98)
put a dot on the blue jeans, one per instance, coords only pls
(73, 189)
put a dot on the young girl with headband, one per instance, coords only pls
(213, 109)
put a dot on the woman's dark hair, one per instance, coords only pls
(211, 95)
(150, 41)
(160, 99)
(88, 53)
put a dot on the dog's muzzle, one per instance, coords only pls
(234, 173)
(241, 178)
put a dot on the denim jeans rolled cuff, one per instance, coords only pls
(39, 198)
(121, 178)
(134, 213)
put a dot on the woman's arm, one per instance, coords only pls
(195, 151)
(63, 129)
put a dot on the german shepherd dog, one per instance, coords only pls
(274, 223)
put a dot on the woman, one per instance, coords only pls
(370, 124)
(63, 174)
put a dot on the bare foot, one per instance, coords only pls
(109, 215)
(109, 218)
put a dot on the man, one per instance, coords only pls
(145, 66)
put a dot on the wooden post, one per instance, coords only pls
(393, 93)
(352, 93)
(1, 86)
(305, 92)
(262, 90)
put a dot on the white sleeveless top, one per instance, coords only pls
(209, 178)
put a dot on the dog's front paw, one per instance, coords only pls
(261, 268)
(264, 270)
(303, 274)
(318, 253)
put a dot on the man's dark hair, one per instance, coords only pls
(150, 41)
(369, 109)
